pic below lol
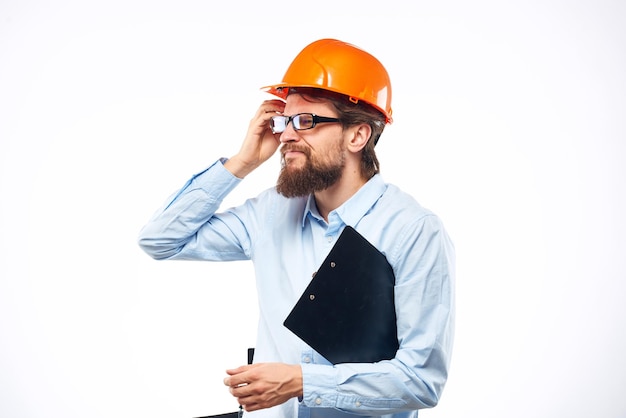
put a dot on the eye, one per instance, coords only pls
(305, 121)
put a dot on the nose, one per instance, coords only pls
(289, 134)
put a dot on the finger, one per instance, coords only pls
(236, 380)
(235, 371)
(272, 106)
(241, 391)
(242, 369)
(250, 407)
(278, 103)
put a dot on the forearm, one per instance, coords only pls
(413, 380)
(179, 220)
(239, 167)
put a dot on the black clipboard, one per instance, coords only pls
(347, 312)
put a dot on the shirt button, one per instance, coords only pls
(329, 238)
(307, 359)
(358, 403)
(318, 401)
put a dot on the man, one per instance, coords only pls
(332, 106)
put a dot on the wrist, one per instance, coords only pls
(298, 382)
(238, 167)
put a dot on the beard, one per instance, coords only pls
(314, 176)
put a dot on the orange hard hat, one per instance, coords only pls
(340, 67)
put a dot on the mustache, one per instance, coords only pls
(294, 147)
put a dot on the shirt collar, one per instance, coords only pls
(354, 208)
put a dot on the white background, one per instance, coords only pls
(510, 123)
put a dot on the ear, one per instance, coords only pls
(358, 136)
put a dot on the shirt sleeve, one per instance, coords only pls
(187, 226)
(414, 379)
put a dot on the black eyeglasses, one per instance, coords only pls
(301, 121)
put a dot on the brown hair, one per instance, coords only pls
(351, 114)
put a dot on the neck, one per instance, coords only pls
(336, 195)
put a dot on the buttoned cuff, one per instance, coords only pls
(319, 386)
(216, 178)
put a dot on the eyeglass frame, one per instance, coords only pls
(315, 120)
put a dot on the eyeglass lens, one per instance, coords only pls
(300, 121)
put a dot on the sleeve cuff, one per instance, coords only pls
(319, 386)
(215, 178)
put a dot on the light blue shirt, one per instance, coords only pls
(287, 240)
